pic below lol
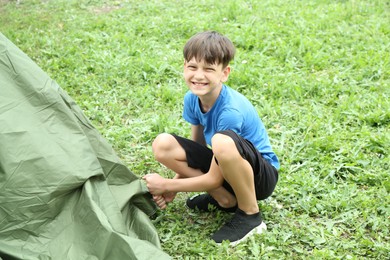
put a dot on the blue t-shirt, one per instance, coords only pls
(231, 111)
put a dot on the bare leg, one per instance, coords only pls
(221, 195)
(236, 171)
(168, 151)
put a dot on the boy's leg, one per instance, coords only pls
(237, 172)
(250, 177)
(170, 152)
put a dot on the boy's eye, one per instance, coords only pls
(210, 69)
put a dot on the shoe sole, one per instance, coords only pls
(257, 230)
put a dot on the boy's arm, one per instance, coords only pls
(158, 185)
(197, 134)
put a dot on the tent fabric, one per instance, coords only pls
(64, 193)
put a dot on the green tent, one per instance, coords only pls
(64, 193)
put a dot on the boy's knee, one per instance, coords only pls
(223, 147)
(161, 144)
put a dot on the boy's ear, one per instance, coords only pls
(226, 72)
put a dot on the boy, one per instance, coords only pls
(240, 168)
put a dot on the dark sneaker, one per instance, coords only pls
(205, 202)
(240, 227)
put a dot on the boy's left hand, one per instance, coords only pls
(155, 183)
(160, 201)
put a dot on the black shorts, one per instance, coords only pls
(265, 175)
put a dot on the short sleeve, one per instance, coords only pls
(189, 109)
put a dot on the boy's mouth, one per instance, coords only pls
(199, 84)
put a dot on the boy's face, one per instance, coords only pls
(205, 79)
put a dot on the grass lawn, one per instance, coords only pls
(318, 72)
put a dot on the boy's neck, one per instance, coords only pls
(207, 102)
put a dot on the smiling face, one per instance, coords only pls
(203, 79)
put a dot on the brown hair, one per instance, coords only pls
(211, 47)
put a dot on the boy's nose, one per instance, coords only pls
(199, 74)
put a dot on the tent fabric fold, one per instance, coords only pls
(64, 193)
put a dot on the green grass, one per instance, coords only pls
(316, 70)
